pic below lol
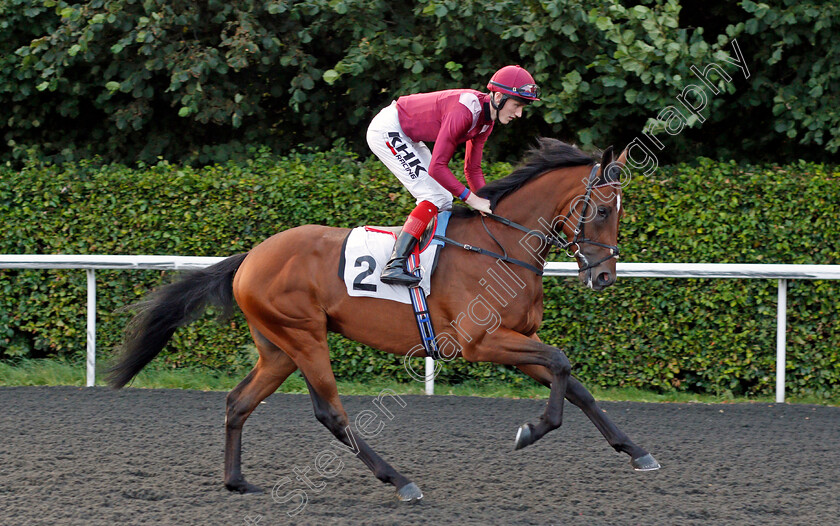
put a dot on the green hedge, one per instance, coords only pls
(686, 335)
(197, 81)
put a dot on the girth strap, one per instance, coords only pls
(421, 312)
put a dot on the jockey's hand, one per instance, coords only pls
(479, 203)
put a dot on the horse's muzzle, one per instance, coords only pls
(597, 278)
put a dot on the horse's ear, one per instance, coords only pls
(607, 157)
(622, 159)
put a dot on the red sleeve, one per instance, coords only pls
(472, 161)
(455, 125)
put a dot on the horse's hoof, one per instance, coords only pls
(243, 487)
(409, 493)
(524, 437)
(645, 463)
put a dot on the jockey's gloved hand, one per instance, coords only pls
(479, 203)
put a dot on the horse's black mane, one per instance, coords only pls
(548, 154)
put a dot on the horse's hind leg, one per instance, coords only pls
(273, 367)
(329, 411)
(577, 394)
(312, 356)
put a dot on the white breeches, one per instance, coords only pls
(408, 160)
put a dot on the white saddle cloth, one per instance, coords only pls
(366, 252)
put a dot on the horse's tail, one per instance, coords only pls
(168, 308)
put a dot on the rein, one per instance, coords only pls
(479, 250)
(579, 239)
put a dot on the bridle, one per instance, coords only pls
(580, 237)
(571, 248)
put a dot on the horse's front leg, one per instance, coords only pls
(508, 347)
(577, 394)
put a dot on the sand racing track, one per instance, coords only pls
(92, 456)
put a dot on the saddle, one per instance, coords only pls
(425, 239)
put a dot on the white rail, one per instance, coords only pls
(625, 270)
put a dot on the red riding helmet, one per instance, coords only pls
(514, 81)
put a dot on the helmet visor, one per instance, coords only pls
(528, 91)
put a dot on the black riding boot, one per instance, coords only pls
(394, 272)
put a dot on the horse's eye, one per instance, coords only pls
(603, 211)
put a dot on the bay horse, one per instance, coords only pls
(291, 295)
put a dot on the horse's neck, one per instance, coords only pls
(533, 206)
(538, 203)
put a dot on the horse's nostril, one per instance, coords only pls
(604, 278)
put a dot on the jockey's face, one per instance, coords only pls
(511, 110)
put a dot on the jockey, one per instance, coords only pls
(448, 118)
